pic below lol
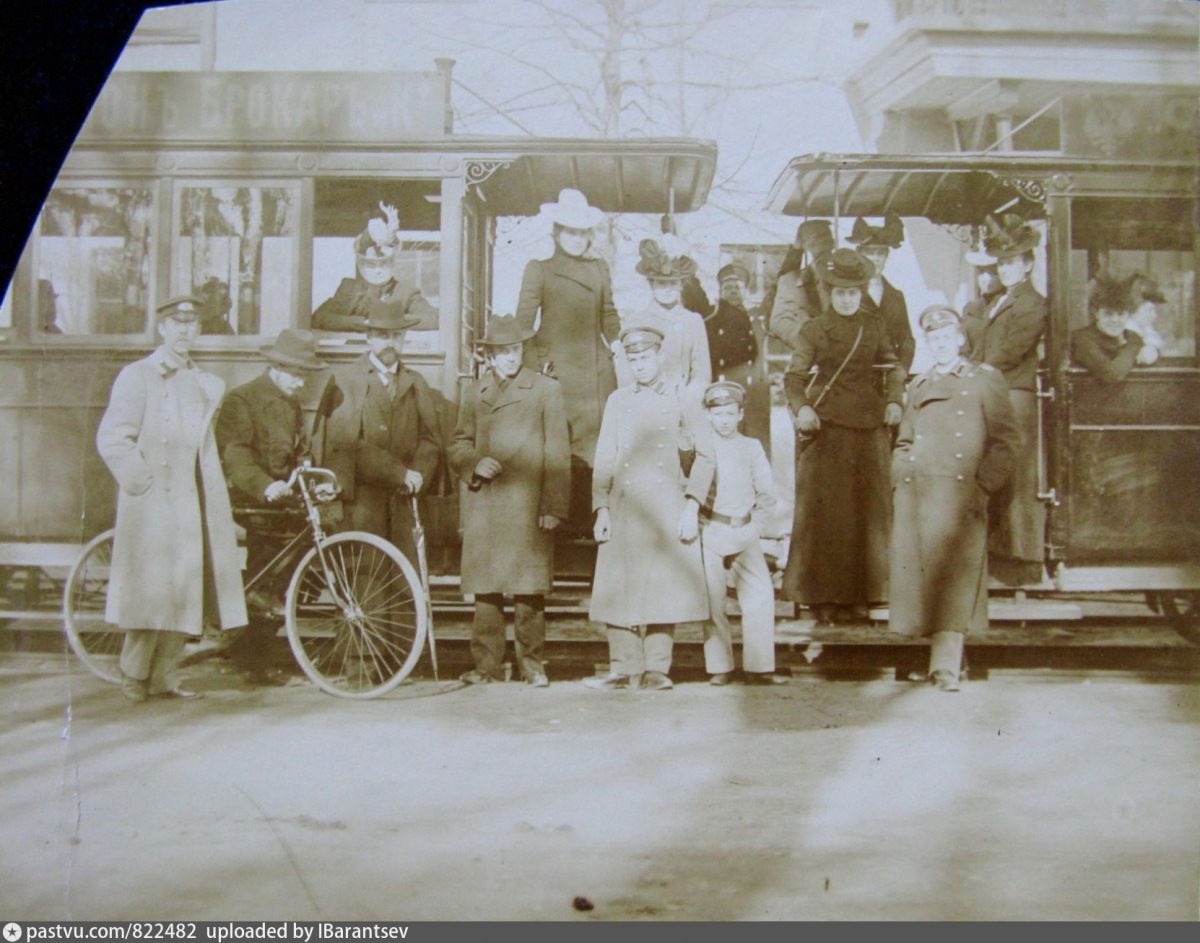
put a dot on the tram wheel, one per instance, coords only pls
(95, 642)
(356, 615)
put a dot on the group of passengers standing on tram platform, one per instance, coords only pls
(613, 425)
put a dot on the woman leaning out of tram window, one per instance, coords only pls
(838, 563)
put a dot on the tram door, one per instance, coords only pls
(1132, 446)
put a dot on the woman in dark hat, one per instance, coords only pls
(1109, 348)
(838, 563)
(567, 301)
(1008, 338)
(880, 296)
(987, 284)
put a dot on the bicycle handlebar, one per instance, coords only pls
(312, 471)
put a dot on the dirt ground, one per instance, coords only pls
(1027, 796)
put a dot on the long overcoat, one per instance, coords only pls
(644, 574)
(262, 438)
(158, 427)
(578, 323)
(958, 444)
(523, 427)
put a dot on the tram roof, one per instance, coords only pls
(958, 188)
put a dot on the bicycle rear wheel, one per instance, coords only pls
(356, 617)
(96, 643)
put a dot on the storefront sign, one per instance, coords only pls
(285, 107)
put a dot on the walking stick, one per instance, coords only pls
(419, 536)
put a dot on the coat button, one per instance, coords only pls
(918, 435)
(961, 413)
(958, 435)
(912, 458)
(958, 454)
(908, 479)
(960, 477)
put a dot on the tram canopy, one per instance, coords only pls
(957, 189)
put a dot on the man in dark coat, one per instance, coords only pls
(799, 294)
(957, 445)
(512, 450)
(1008, 335)
(381, 439)
(1106, 348)
(734, 350)
(262, 438)
(881, 297)
(374, 292)
(568, 299)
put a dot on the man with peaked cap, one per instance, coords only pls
(374, 292)
(1007, 335)
(568, 300)
(262, 437)
(381, 438)
(649, 573)
(175, 556)
(957, 446)
(799, 292)
(731, 520)
(734, 350)
(881, 297)
(512, 450)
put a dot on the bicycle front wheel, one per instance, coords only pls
(356, 617)
(96, 643)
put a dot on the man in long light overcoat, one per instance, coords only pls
(958, 444)
(512, 449)
(175, 549)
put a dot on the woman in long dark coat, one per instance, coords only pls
(575, 335)
(838, 563)
(881, 297)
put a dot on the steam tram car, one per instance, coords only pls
(247, 190)
(1117, 461)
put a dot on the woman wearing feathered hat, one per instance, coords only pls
(880, 296)
(1007, 336)
(666, 265)
(374, 292)
(574, 337)
(838, 563)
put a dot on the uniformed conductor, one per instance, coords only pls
(958, 444)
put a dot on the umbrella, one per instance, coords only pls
(419, 537)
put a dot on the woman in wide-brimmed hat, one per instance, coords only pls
(1008, 336)
(838, 562)
(880, 296)
(567, 302)
(666, 265)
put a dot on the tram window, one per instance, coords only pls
(1153, 237)
(235, 250)
(93, 262)
(342, 209)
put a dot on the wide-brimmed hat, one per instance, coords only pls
(181, 308)
(815, 236)
(1009, 237)
(390, 318)
(1112, 294)
(634, 339)
(890, 235)
(381, 237)
(294, 349)
(734, 270)
(503, 330)
(938, 316)
(844, 268)
(980, 259)
(665, 257)
(572, 211)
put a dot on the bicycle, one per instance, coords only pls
(356, 612)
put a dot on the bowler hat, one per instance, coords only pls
(181, 308)
(634, 339)
(503, 330)
(844, 268)
(572, 211)
(938, 316)
(389, 318)
(724, 392)
(294, 349)
(734, 270)
(812, 234)
(890, 235)
(1009, 237)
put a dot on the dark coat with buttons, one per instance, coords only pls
(1008, 339)
(261, 434)
(523, 427)
(958, 443)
